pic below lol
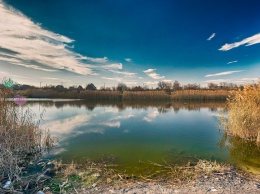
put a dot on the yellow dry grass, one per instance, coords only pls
(244, 113)
(201, 95)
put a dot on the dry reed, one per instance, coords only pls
(145, 95)
(180, 95)
(244, 113)
(200, 95)
(21, 139)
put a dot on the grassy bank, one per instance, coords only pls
(21, 143)
(181, 95)
(201, 95)
(244, 113)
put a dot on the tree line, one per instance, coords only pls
(162, 85)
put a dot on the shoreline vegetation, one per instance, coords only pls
(22, 143)
(154, 95)
(243, 119)
(165, 91)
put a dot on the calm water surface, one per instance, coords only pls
(133, 133)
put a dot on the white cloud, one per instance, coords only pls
(6, 74)
(250, 79)
(149, 70)
(130, 83)
(126, 74)
(151, 116)
(223, 73)
(151, 83)
(155, 76)
(34, 67)
(96, 60)
(64, 127)
(255, 39)
(127, 116)
(212, 36)
(51, 78)
(217, 80)
(128, 60)
(151, 73)
(167, 80)
(118, 79)
(54, 78)
(27, 44)
(112, 124)
(232, 62)
(113, 66)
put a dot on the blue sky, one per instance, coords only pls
(130, 41)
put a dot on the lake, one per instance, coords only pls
(133, 135)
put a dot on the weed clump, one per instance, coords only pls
(21, 140)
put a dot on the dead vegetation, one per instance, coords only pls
(91, 176)
(21, 142)
(201, 95)
(243, 119)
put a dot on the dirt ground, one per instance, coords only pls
(232, 182)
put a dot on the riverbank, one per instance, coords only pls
(162, 95)
(202, 177)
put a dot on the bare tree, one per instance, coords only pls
(121, 87)
(212, 86)
(164, 85)
(176, 85)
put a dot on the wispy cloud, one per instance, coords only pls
(130, 82)
(55, 78)
(126, 74)
(155, 76)
(211, 36)
(51, 78)
(223, 73)
(113, 66)
(249, 79)
(96, 60)
(112, 124)
(27, 44)
(151, 83)
(151, 73)
(232, 62)
(6, 74)
(63, 128)
(128, 60)
(149, 70)
(167, 80)
(217, 80)
(118, 79)
(255, 39)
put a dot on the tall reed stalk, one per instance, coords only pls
(244, 113)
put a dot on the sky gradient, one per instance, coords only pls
(135, 42)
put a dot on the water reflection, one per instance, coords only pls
(245, 154)
(121, 105)
(140, 131)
